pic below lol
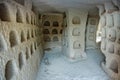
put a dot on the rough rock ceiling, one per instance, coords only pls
(62, 5)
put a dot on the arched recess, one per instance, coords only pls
(21, 60)
(35, 45)
(46, 23)
(28, 34)
(13, 38)
(55, 38)
(54, 31)
(46, 31)
(55, 24)
(114, 66)
(61, 31)
(76, 32)
(4, 12)
(76, 45)
(32, 49)
(27, 18)
(19, 16)
(27, 53)
(76, 20)
(10, 70)
(22, 37)
(32, 33)
(3, 45)
(47, 39)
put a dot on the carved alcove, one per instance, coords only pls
(61, 31)
(21, 60)
(76, 32)
(91, 37)
(116, 17)
(55, 38)
(103, 33)
(76, 20)
(27, 53)
(55, 24)
(46, 23)
(13, 38)
(109, 20)
(32, 33)
(27, 18)
(31, 49)
(91, 29)
(47, 39)
(46, 31)
(110, 47)
(76, 45)
(102, 21)
(112, 35)
(4, 12)
(54, 31)
(114, 66)
(92, 21)
(28, 34)
(19, 16)
(10, 70)
(22, 36)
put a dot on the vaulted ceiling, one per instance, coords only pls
(63, 5)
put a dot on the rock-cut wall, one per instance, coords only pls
(110, 45)
(20, 44)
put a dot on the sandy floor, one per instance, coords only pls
(55, 66)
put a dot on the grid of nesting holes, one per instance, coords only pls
(47, 32)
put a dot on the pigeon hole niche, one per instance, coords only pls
(76, 20)
(76, 45)
(54, 31)
(13, 38)
(47, 39)
(76, 32)
(21, 60)
(10, 70)
(19, 16)
(22, 36)
(46, 31)
(46, 23)
(55, 24)
(4, 12)
(55, 39)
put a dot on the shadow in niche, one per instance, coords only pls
(4, 12)
(19, 16)
(10, 70)
(13, 38)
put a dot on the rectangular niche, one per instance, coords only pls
(76, 32)
(76, 45)
(91, 29)
(47, 39)
(92, 21)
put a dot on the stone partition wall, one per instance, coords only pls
(52, 30)
(74, 35)
(20, 42)
(110, 46)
